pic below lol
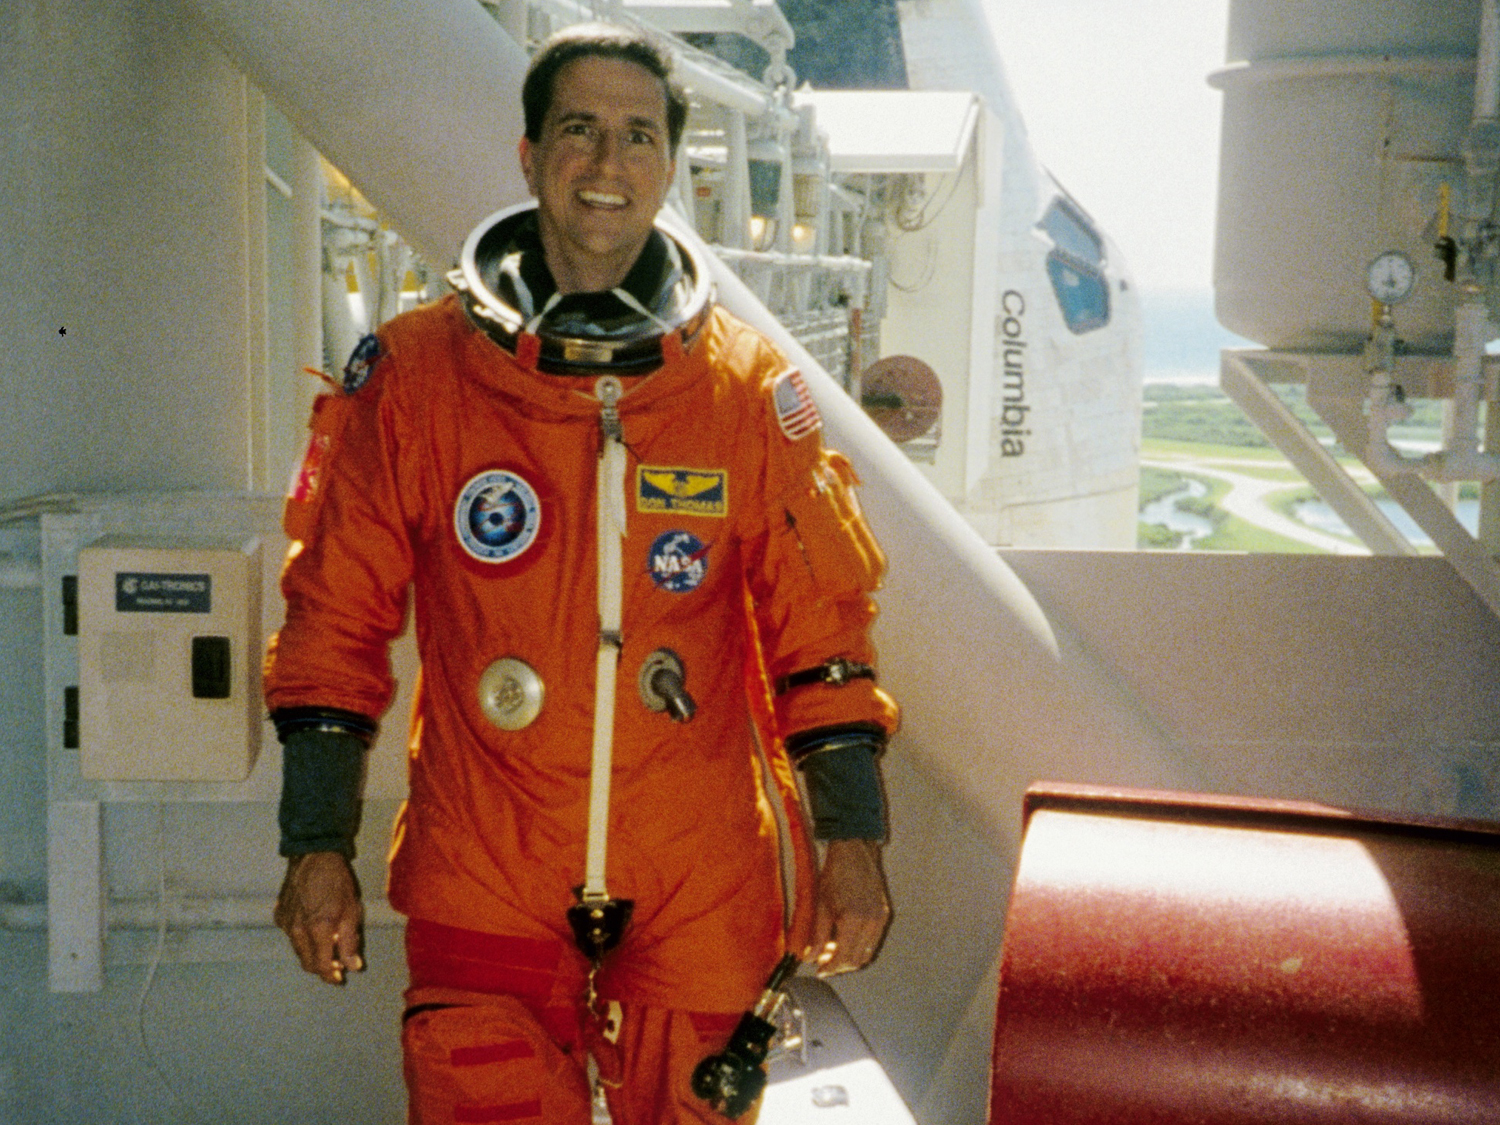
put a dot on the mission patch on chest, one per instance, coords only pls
(695, 492)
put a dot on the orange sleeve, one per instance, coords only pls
(346, 578)
(812, 577)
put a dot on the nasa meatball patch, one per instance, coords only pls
(796, 413)
(497, 516)
(362, 361)
(679, 561)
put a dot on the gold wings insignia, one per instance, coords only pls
(661, 481)
(681, 487)
(695, 484)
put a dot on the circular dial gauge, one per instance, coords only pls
(1390, 277)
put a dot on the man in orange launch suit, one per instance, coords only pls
(641, 593)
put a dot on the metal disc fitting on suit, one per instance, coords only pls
(511, 693)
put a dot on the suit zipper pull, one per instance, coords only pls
(608, 390)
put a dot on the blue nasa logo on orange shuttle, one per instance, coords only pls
(497, 516)
(694, 492)
(678, 562)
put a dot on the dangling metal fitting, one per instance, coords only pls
(511, 693)
(661, 683)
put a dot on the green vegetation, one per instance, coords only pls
(1200, 451)
(1201, 414)
(1237, 535)
(1207, 418)
(1156, 483)
(1156, 537)
(1199, 423)
(1285, 503)
(1206, 506)
(1230, 533)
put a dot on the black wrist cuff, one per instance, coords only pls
(322, 774)
(843, 788)
(801, 745)
(843, 781)
(290, 720)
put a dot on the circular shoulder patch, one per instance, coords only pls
(679, 561)
(362, 361)
(497, 516)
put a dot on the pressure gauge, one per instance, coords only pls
(1390, 277)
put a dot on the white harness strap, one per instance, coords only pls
(628, 299)
(545, 309)
(610, 489)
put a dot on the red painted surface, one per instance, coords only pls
(1172, 958)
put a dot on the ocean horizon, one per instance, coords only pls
(1181, 337)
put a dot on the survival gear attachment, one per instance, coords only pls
(732, 1080)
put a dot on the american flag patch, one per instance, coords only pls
(305, 482)
(795, 411)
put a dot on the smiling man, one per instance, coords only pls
(642, 595)
(599, 165)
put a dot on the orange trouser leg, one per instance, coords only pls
(488, 1059)
(657, 1051)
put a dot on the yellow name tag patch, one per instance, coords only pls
(693, 492)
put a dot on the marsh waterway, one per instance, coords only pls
(1165, 512)
(1319, 516)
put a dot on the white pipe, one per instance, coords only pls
(1382, 410)
(735, 225)
(339, 328)
(307, 266)
(840, 264)
(740, 94)
(1487, 62)
(283, 188)
(416, 101)
(1480, 146)
(1460, 458)
(1337, 66)
(700, 80)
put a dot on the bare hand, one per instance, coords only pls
(320, 911)
(852, 910)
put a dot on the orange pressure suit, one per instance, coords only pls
(468, 476)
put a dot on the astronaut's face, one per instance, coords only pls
(600, 170)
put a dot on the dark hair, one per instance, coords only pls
(588, 40)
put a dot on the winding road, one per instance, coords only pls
(1246, 499)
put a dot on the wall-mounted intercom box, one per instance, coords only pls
(169, 648)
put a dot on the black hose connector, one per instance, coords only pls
(733, 1080)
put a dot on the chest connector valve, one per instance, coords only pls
(662, 685)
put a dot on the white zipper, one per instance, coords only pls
(610, 524)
